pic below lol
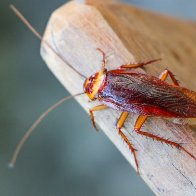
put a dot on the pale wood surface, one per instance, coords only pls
(128, 34)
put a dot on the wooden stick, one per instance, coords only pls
(127, 34)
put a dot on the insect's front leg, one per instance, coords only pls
(103, 57)
(120, 124)
(136, 65)
(96, 108)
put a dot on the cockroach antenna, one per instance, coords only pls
(41, 118)
(35, 124)
(120, 89)
(38, 35)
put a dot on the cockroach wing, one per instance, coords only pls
(147, 95)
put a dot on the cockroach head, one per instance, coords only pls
(94, 83)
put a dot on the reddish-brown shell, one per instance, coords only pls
(146, 95)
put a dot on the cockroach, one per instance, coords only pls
(128, 91)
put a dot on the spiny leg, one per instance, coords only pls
(96, 108)
(122, 119)
(103, 58)
(140, 121)
(136, 65)
(120, 124)
(163, 76)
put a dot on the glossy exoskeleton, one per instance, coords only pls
(142, 94)
(128, 91)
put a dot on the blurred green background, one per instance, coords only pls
(65, 156)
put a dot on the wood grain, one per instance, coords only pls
(128, 34)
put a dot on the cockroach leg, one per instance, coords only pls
(96, 108)
(103, 58)
(120, 124)
(163, 76)
(136, 65)
(122, 119)
(140, 121)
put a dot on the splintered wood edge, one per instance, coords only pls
(75, 31)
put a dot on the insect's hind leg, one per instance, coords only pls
(96, 108)
(163, 76)
(140, 121)
(120, 124)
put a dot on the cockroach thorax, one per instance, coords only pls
(94, 83)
